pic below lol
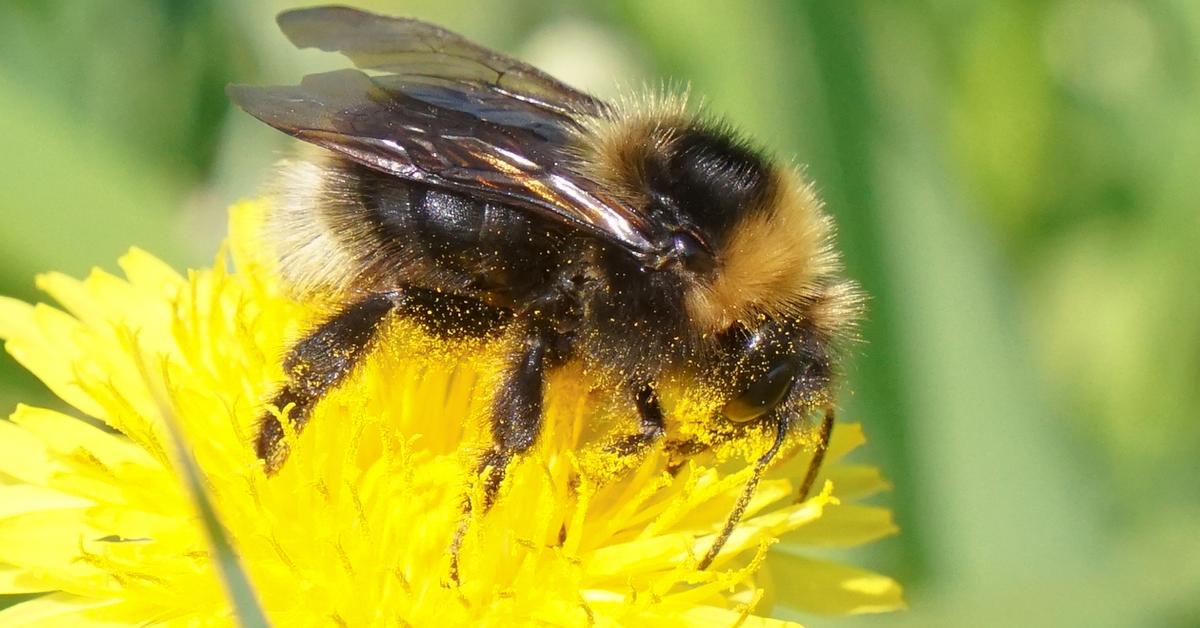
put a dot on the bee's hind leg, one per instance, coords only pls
(516, 419)
(314, 365)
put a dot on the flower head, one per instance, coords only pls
(355, 527)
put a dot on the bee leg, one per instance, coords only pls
(680, 451)
(314, 365)
(516, 423)
(517, 411)
(650, 428)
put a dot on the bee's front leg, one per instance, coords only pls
(651, 425)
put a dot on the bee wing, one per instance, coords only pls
(414, 48)
(458, 136)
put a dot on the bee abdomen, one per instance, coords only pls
(484, 249)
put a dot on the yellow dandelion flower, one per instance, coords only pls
(354, 529)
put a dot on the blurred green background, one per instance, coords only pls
(1016, 185)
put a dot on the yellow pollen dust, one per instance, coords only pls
(354, 529)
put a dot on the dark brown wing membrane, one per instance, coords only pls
(458, 137)
(445, 122)
(415, 48)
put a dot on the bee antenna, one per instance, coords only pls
(814, 467)
(739, 509)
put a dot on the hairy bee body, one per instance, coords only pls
(476, 195)
(343, 227)
(390, 234)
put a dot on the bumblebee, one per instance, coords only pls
(472, 193)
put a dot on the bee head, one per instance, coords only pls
(780, 363)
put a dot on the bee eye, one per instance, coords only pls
(694, 256)
(763, 394)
